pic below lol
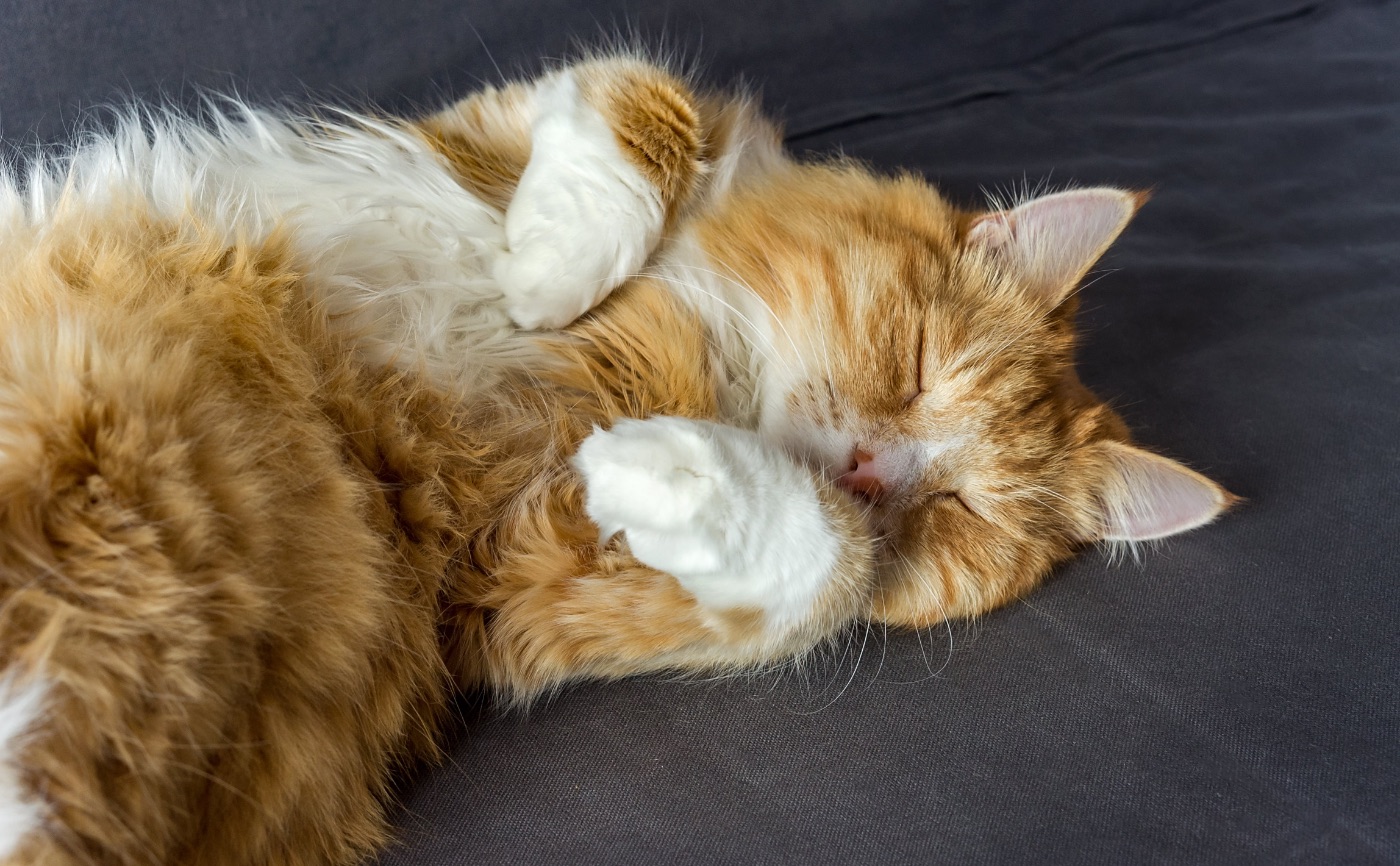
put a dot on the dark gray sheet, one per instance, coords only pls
(1234, 697)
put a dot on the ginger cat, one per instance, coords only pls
(283, 463)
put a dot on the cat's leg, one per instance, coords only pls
(680, 545)
(589, 163)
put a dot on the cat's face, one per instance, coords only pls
(922, 359)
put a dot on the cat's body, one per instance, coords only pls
(278, 473)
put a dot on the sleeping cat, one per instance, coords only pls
(307, 424)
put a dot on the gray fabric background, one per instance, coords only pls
(1233, 697)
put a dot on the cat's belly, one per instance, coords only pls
(397, 249)
(387, 240)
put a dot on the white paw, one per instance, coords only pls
(583, 218)
(734, 520)
(661, 483)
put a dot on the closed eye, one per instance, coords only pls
(953, 497)
(918, 389)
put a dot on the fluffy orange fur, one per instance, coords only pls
(252, 566)
(217, 545)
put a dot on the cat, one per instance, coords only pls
(308, 424)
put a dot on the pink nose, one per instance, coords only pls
(862, 480)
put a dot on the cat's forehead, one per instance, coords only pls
(840, 209)
(891, 246)
(864, 259)
(900, 229)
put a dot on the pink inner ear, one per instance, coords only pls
(1153, 497)
(991, 231)
(1053, 240)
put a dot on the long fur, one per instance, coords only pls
(282, 466)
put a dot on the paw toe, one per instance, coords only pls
(538, 290)
(640, 475)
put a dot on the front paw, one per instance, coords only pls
(583, 218)
(660, 482)
(736, 521)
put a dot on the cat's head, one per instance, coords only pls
(922, 358)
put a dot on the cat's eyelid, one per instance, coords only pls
(957, 497)
(919, 384)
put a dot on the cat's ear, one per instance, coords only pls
(1145, 496)
(1053, 240)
